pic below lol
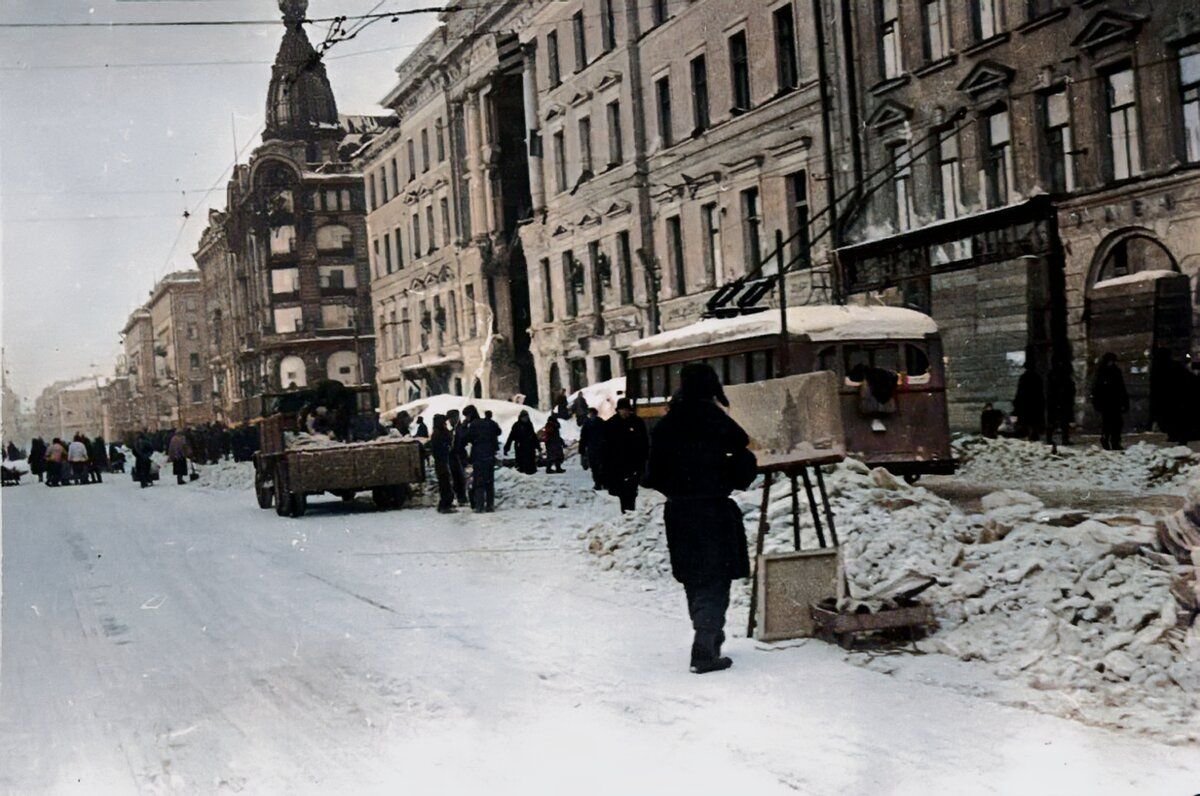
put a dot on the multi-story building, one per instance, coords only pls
(286, 262)
(121, 410)
(137, 338)
(70, 407)
(1019, 157)
(179, 344)
(446, 189)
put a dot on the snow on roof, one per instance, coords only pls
(826, 322)
(1138, 276)
(602, 396)
(503, 412)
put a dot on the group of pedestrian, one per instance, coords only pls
(179, 453)
(456, 443)
(60, 463)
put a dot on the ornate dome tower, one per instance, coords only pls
(300, 104)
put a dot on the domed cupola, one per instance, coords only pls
(300, 104)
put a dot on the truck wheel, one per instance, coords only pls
(400, 495)
(298, 504)
(282, 499)
(264, 490)
(382, 497)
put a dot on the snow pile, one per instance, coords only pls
(540, 490)
(302, 440)
(1139, 467)
(602, 396)
(17, 466)
(226, 475)
(503, 412)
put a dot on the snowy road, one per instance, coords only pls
(181, 640)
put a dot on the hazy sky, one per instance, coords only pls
(93, 159)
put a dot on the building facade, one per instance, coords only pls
(1017, 158)
(71, 407)
(286, 263)
(179, 343)
(137, 338)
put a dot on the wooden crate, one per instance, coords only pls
(788, 583)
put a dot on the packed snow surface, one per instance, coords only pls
(503, 412)
(818, 322)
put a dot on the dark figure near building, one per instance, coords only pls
(142, 450)
(1172, 397)
(591, 447)
(11, 453)
(483, 435)
(1060, 396)
(98, 459)
(440, 445)
(422, 431)
(1029, 404)
(990, 420)
(458, 461)
(626, 447)
(179, 450)
(698, 456)
(37, 457)
(1111, 401)
(556, 449)
(523, 437)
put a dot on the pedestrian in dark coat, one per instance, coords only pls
(556, 452)
(142, 450)
(458, 456)
(698, 456)
(1029, 404)
(483, 437)
(11, 453)
(1111, 401)
(99, 459)
(179, 450)
(591, 447)
(626, 447)
(440, 445)
(524, 438)
(1060, 394)
(37, 457)
(422, 431)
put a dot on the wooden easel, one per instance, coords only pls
(792, 470)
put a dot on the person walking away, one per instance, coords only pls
(625, 450)
(143, 450)
(77, 458)
(524, 437)
(37, 457)
(552, 440)
(484, 438)
(990, 420)
(561, 410)
(1060, 390)
(56, 461)
(591, 447)
(440, 446)
(179, 450)
(99, 457)
(458, 466)
(1029, 404)
(1111, 401)
(698, 456)
(11, 453)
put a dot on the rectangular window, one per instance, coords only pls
(399, 251)
(714, 271)
(383, 183)
(560, 162)
(787, 67)
(578, 373)
(625, 262)
(581, 59)
(197, 393)
(416, 236)
(658, 12)
(1056, 118)
(552, 67)
(739, 65)
(889, 39)
(616, 151)
(392, 335)
(997, 164)
(412, 159)
(194, 361)
(331, 199)
(344, 194)
(700, 115)
(1124, 144)
(371, 193)
(444, 204)
(405, 331)
(472, 310)
(439, 134)
(284, 281)
(797, 197)
(569, 282)
(378, 261)
(429, 227)
(424, 324)
(662, 92)
(675, 248)
(425, 150)
(948, 180)
(452, 316)
(751, 229)
(387, 251)
(937, 30)
(395, 178)
(986, 19)
(547, 291)
(595, 276)
(1189, 86)
(585, 147)
(608, 25)
(900, 158)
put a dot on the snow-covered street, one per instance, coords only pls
(179, 639)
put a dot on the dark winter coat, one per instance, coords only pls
(691, 452)
(1060, 389)
(37, 456)
(483, 435)
(458, 450)
(1029, 404)
(1109, 396)
(625, 450)
(591, 442)
(441, 445)
(524, 438)
(99, 452)
(556, 451)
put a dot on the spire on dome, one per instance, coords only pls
(300, 104)
(293, 10)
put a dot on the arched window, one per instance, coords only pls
(292, 373)
(1134, 254)
(343, 366)
(334, 237)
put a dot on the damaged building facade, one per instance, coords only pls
(1032, 182)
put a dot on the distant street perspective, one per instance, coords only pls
(600, 396)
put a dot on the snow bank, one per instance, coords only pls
(602, 396)
(1139, 467)
(18, 465)
(226, 475)
(503, 412)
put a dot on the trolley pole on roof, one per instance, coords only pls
(785, 368)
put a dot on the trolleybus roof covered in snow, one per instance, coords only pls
(819, 323)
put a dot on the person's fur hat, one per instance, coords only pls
(698, 381)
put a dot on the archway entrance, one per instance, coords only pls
(1139, 307)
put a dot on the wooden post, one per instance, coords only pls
(812, 505)
(763, 525)
(795, 511)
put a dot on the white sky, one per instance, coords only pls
(92, 160)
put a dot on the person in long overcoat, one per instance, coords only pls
(1111, 401)
(698, 457)
(591, 447)
(440, 445)
(143, 449)
(556, 451)
(1029, 404)
(99, 459)
(1060, 395)
(626, 447)
(524, 438)
(458, 462)
(179, 450)
(37, 457)
(483, 437)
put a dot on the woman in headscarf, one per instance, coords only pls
(524, 437)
